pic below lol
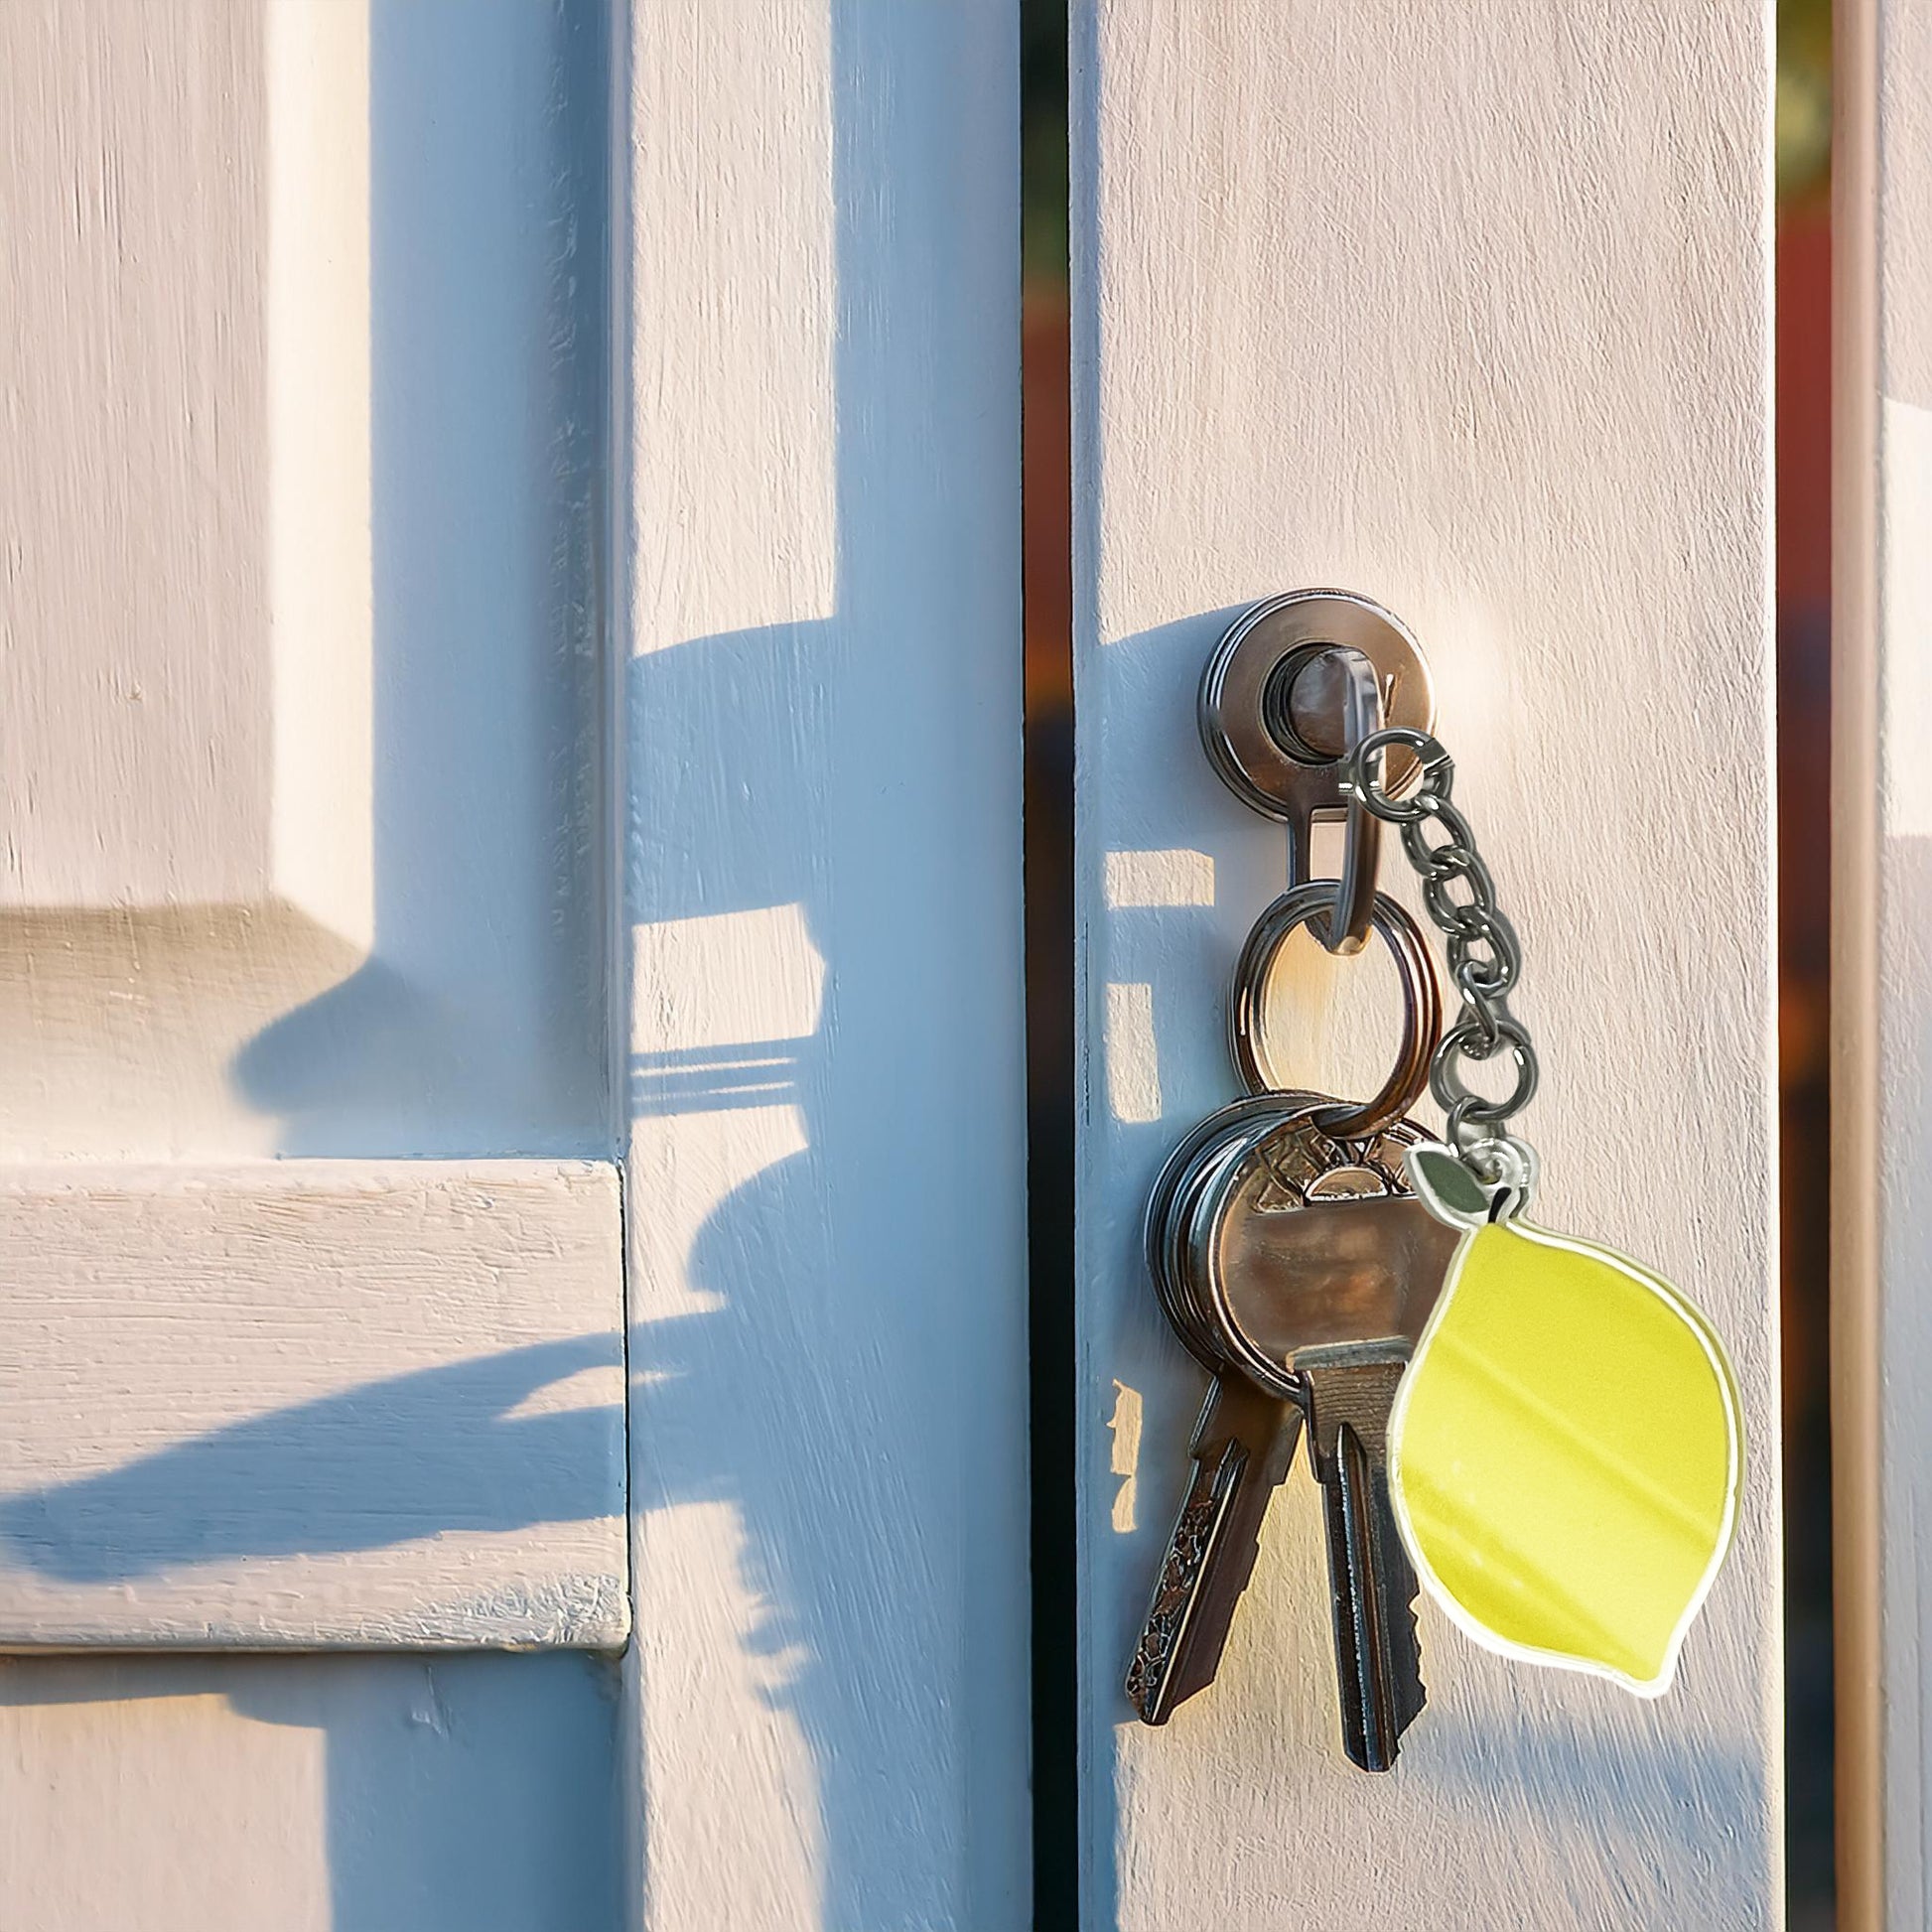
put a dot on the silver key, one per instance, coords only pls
(1313, 1266)
(1242, 1448)
(1245, 1439)
(1371, 1582)
(1243, 1445)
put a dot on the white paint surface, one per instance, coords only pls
(1159, 879)
(301, 704)
(304, 780)
(1904, 489)
(1133, 1054)
(305, 848)
(134, 461)
(826, 1153)
(308, 1794)
(290, 1406)
(320, 528)
(1469, 310)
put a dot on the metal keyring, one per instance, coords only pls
(1438, 770)
(1470, 1039)
(1421, 1005)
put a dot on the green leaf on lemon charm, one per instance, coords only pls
(1565, 1454)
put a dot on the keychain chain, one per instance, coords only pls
(1485, 958)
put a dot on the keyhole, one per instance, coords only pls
(1302, 703)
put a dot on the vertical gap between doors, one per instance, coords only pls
(1048, 586)
(1803, 415)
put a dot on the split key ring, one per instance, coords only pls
(1422, 1006)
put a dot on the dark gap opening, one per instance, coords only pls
(1046, 491)
(1803, 404)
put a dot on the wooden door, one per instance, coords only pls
(312, 1217)
(1466, 309)
(510, 1118)
(828, 1680)
(510, 927)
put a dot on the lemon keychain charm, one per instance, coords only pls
(1565, 1453)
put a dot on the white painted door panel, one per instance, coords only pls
(829, 1676)
(356, 910)
(302, 710)
(1467, 310)
(305, 843)
(299, 695)
(317, 1402)
(334, 1793)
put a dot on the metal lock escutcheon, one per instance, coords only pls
(1294, 685)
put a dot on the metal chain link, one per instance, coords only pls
(1485, 957)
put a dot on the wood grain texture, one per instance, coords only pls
(308, 1793)
(312, 1403)
(185, 643)
(1882, 991)
(306, 848)
(135, 469)
(826, 1146)
(1466, 311)
(305, 836)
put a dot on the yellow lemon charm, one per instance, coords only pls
(1566, 1451)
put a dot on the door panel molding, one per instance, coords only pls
(372, 1404)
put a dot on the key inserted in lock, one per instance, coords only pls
(1297, 682)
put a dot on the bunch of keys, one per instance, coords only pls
(1545, 1431)
(1298, 1268)
(1287, 1248)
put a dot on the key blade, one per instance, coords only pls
(1243, 1447)
(1373, 1621)
(1182, 1641)
(1372, 1583)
